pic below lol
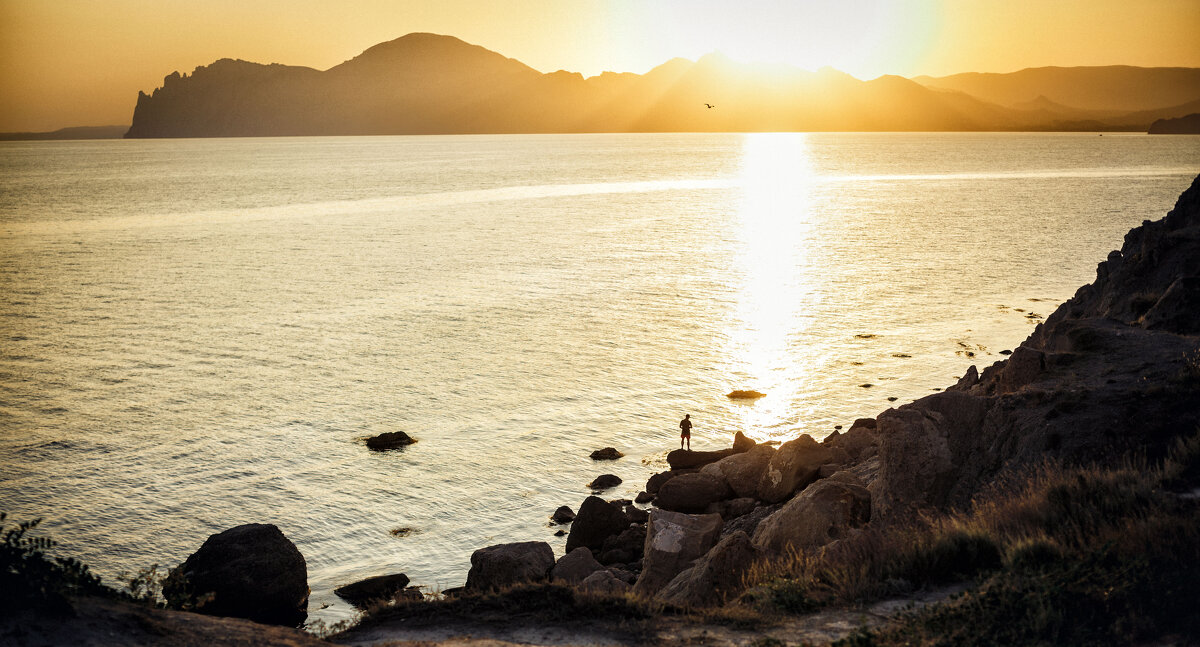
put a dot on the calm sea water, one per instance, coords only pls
(197, 334)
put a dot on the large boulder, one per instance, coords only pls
(673, 541)
(742, 471)
(715, 577)
(503, 565)
(859, 442)
(791, 468)
(655, 482)
(596, 520)
(250, 571)
(825, 511)
(687, 459)
(692, 492)
(576, 565)
(380, 587)
(604, 582)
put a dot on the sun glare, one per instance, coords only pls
(774, 220)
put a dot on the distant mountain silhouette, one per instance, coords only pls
(1119, 88)
(428, 84)
(74, 132)
(1186, 125)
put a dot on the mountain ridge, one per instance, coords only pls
(425, 83)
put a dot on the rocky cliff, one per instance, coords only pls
(1115, 369)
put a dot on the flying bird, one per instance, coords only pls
(709, 105)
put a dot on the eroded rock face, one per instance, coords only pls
(791, 468)
(503, 565)
(715, 577)
(251, 571)
(824, 512)
(575, 566)
(743, 471)
(596, 521)
(692, 493)
(673, 541)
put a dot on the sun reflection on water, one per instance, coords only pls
(774, 230)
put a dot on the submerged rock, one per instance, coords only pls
(606, 454)
(251, 571)
(747, 394)
(390, 440)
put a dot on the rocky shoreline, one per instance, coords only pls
(1112, 373)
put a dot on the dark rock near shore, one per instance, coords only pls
(390, 440)
(643, 497)
(251, 571)
(654, 483)
(597, 520)
(503, 565)
(575, 566)
(563, 514)
(605, 481)
(380, 587)
(692, 493)
(606, 454)
(673, 541)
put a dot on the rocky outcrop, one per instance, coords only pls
(1107, 373)
(791, 468)
(673, 541)
(575, 566)
(715, 577)
(692, 492)
(742, 472)
(503, 565)
(825, 511)
(597, 520)
(1185, 125)
(251, 571)
(390, 440)
(381, 587)
(681, 459)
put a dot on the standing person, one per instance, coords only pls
(685, 431)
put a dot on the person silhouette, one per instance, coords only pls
(685, 431)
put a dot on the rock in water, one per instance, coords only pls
(250, 571)
(389, 440)
(504, 565)
(606, 454)
(563, 515)
(380, 587)
(597, 520)
(605, 481)
(748, 394)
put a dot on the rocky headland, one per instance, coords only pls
(1078, 453)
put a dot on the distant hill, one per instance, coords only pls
(429, 84)
(1119, 88)
(1186, 125)
(75, 132)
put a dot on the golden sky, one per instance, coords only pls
(82, 62)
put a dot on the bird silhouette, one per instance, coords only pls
(709, 105)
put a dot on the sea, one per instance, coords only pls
(200, 333)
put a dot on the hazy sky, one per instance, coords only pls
(82, 62)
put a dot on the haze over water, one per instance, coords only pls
(197, 334)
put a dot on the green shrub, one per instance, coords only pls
(31, 578)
